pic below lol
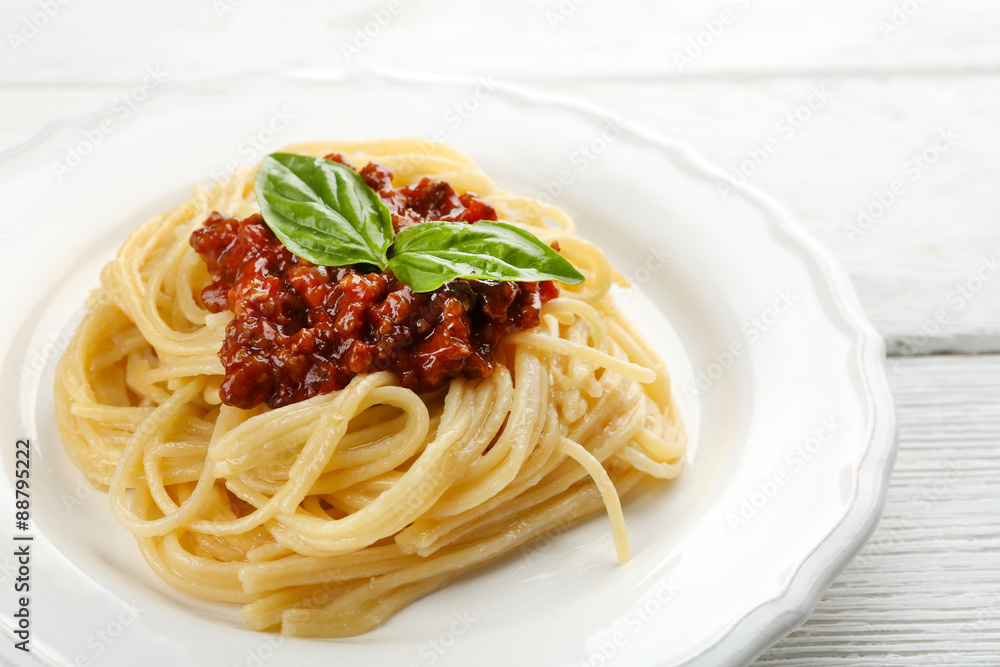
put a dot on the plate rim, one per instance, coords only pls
(747, 636)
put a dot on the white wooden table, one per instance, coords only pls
(874, 121)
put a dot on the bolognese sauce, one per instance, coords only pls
(300, 329)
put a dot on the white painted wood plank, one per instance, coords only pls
(113, 40)
(925, 590)
(925, 258)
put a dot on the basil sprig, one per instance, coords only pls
(430, 254)
(323, 211)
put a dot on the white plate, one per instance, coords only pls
(777, 370)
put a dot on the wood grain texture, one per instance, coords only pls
(925, 590)
(919, 259)
(576, 39)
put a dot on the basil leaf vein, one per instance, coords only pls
(323, 211)
(428, 255)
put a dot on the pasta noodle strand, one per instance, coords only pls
(327, 516)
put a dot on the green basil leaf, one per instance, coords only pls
(323, 211)
(430, 254)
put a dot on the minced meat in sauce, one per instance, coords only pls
(300, 330)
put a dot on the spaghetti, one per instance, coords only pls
(326, 516)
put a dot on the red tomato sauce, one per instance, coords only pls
(300, 330)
